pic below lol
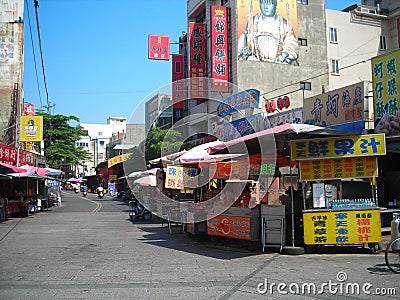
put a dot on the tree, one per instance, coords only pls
(59, 140)
(161, 142)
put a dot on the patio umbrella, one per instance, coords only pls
(73, 180)
(54, 172)
(196, 154)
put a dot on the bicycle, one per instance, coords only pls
(392, 255)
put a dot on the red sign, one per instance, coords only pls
(219, 48)
(229, 226)
(197, 63)
(29, 109)
(158, 47)
(178, 86)
(10, 154)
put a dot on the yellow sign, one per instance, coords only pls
(178, 177)
(338, 147)
(112, 177)
(342, 227)
(31, 128)
(364, 166)
(117, 159)
(386, 88)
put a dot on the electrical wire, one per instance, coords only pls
(36, 2)
(34, 54)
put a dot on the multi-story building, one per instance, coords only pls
(158, 112)
(304, 51)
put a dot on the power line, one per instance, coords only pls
(41, 55)
(34, 54)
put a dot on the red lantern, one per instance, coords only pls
(286, 101)
(270, 106)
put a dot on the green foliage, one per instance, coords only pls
(59, 140)
(161, 142)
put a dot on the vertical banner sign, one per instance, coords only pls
(178, 87)
(29, 109)
(386, 83)
(197, 63)
(31, 128)
(158, 47)
(219, 48)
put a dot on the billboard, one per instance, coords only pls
(31, 129)
(386, 84)
(268, 31)
(178, 87)
(158, 47)
(340, 109)
(219, 48)
(243, 100)
(197, 60)
(241, 127)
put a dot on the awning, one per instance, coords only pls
(255, 140)
(54, 172)
(149, 180)
(124, 146)
(167, 158)
(196, 154)
(7, 168)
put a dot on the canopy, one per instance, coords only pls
(167, 158)
(7, 168)
(149, 180)
(254, 140)
(196, 154)
(54, 172)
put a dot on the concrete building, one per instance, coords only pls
(99, 136)
(333, 50)
(158, 112)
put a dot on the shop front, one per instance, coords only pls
(341, 203)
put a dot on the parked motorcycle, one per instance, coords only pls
(138, 211)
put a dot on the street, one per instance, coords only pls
(88, 249)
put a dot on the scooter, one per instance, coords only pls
(76, 190)
(138, 211)
(84, 193)
(100, 195)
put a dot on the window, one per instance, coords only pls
(335, 66)
(333, 35)
(302, 42)
(382, 43)
(101, 143)
(305, 2)
(100, 155)
(100, 133)
(305, 86)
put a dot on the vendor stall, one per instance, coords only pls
(338, 176)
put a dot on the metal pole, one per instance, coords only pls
(291, 200)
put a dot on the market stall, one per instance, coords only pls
(338, 176)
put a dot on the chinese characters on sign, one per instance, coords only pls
(364, 166)
(158, 47)
(240, 127)
(10, 154)
(246, 99)
(341, 106)
(385, 81)
(361, 145)
(197, 62)
(117, 159)
(178, 86)
(344, 227)
(229, 226)
(219, 48)
(178, 177)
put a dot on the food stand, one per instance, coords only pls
(338, 176)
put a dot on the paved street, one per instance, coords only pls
(88, 249)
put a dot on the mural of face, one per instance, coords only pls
(268, 7)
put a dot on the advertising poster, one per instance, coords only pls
(386, 84)
(219, 48)
(31, 128)
(229, 226)
(178, 177)
(268, 31)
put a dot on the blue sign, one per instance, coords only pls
(246, 99)
(111, 189)
(52, 183)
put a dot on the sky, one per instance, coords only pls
(95, 54)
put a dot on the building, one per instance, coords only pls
(323, 50)
(99, 136)
(158, 111)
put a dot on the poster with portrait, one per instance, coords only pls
(268, 31)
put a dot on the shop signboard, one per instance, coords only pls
(241, 127)
(352, 167)
(340, 109)
(178, 83)
(31, 128)
(158, 47)
(117, 159)
(219, 48)
(386, 84)
(197, 60)
(229, 226)
(243, 100)
(178, 177)
(342, 227)
(293, 116)
(338, 147)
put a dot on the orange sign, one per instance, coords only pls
(364, 166)
(229, 226)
